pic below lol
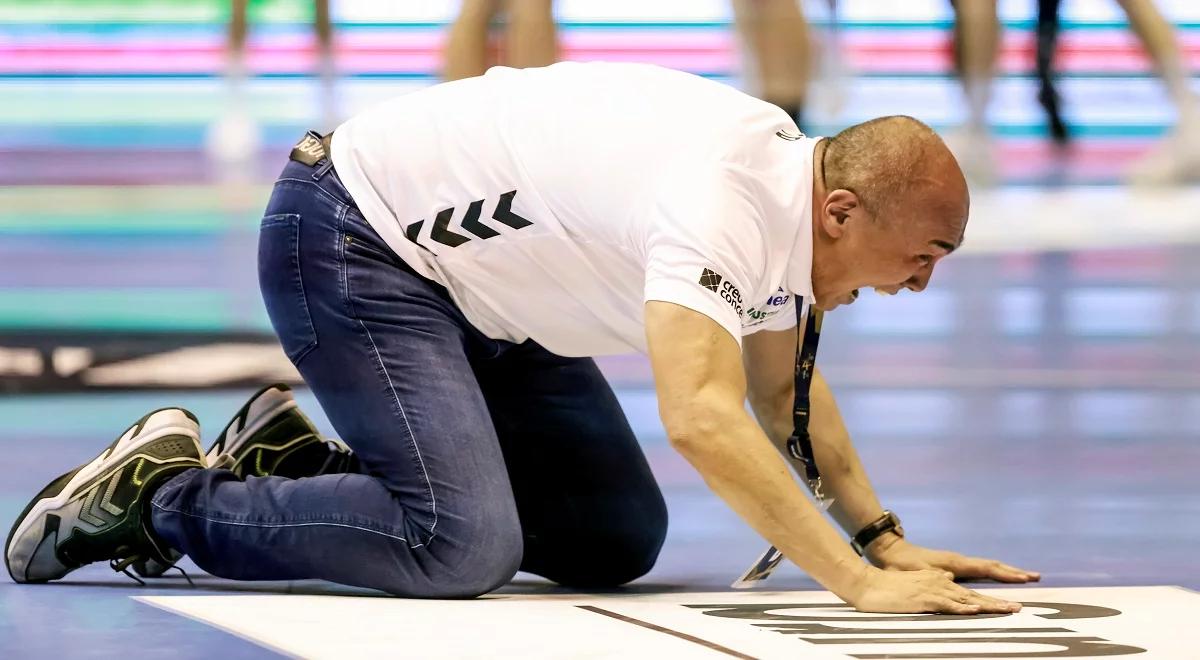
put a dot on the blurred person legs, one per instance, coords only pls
(234, 138)
(1177, 158)
(530, 36)
(466, 49)
(531, 39)
(478, 456)
(778, 39)
(1047, 44)
(976, 48)
(326, 67)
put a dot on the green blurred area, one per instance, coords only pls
(149, 11)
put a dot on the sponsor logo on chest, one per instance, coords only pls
(760, 313)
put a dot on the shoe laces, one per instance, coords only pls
(122, 566)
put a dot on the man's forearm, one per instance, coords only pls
(842, 473)
(731, 453)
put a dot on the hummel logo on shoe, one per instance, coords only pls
(99, 511)
(710, 280)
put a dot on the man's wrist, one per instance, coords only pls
(852, 581)
(877, 551)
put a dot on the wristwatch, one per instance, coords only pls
(888, 522)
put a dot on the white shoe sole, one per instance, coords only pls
(159, 425)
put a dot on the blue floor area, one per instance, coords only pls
(1039, 408)
(1102, 499)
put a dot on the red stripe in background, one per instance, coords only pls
(925, 51)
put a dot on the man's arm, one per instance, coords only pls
(771, 386)
(701, 389)
(769, 361)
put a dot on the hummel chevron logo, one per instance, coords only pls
(106, 502)
(90, 511)
(441, 232)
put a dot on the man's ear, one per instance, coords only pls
(836, 211)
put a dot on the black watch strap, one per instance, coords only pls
(888, 522)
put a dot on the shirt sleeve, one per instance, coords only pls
(704, 247)
(783, 319)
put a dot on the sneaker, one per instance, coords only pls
(1175, 160)
(100, 511)
(975, 151)
(270, 436)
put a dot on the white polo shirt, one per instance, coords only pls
(553, 203)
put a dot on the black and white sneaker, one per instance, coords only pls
(270, 436)
(100, 511)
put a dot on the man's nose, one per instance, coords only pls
(920, 279)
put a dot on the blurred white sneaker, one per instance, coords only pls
(233, 139)
(976, 154)
(1174, 160)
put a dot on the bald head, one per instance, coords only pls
(889, 203)
(897, 166)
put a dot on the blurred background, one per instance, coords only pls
(1040, 402)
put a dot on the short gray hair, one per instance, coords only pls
(878, 159)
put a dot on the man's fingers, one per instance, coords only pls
(1030, 576)
(986, 603)
(947, 605)
(984, 568)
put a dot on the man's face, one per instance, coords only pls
(886, 254)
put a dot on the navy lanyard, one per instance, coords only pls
(799, 445)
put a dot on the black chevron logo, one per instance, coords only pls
(441, 233)
(412, 231)
(472, 224)
(504, 212)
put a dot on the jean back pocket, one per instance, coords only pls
(282, 285)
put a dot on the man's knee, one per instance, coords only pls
(483, 566)
(462, 561)
(606, 557)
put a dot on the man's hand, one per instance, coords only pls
(923, 591)
(893, 553)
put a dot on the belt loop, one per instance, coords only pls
(326, 164)
(323, 168)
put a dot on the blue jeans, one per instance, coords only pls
(478, 457)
